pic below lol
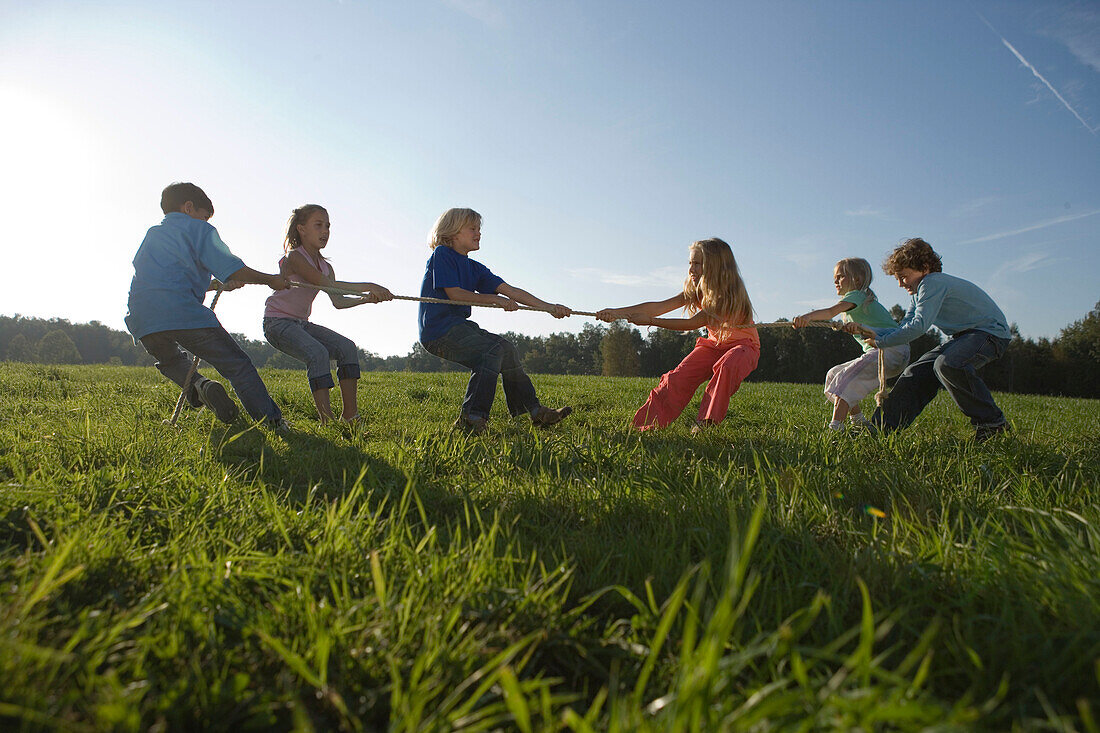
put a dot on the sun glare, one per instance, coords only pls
(47, 151)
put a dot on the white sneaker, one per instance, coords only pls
(280, 426)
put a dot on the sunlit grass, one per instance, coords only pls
(763, 574)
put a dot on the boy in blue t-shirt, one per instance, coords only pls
(172, 273)
(447, 332)
(978, 335)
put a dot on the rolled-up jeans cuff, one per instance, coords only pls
(322, 382)
(347, 371)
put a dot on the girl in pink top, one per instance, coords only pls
(715, 298)
(286, 317)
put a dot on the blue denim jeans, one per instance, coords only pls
(316, 346)
(217, 347)
(486, 355)
(953, 366)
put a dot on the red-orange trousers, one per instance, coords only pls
(725, 364)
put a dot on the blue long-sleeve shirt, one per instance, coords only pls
(952, 305)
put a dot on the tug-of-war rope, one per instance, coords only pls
(448, 301)
(882, 390)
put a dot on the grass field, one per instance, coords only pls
(763, 575)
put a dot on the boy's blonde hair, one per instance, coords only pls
(450, 223)
(913, 254)
(721, 292)
(859, 273)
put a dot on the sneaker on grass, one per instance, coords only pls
(217, 400)
(987, 432)
(701, 426)
(279, 427)
(544, 417)
(860, 425)
(471, 425)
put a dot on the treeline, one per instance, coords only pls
(1060, 366)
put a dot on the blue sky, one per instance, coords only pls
(597, 139)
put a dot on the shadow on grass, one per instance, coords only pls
(302, 463)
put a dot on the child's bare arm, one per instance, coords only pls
(470, 296)
(823, 314)
(675, 324)
(522, 296)
(248, 275)
(651, 309)
(298, 265)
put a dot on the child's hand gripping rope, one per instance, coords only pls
(857, 330)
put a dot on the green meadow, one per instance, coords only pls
(763, 575)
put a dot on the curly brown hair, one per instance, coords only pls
(913, 254)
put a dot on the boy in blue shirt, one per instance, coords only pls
(978, 335)
(172, 273)
(447, 332)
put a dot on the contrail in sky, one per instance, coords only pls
(1033, 227)
(1038, 76)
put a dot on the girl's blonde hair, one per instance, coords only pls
(859, 273)
(721, 292)
(300, 216)
(450, 223)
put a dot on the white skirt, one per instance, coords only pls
(854, 380)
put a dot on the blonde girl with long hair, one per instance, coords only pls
(715, 298)
(847, 384)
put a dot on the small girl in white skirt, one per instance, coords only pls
(847, 384)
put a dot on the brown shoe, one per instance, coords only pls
(471, 425)
(544, 417)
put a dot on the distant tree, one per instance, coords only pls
(588, 341)
(370, 361)
(620, 348)
(21, 349)
(664, 349)
(258, 351)
(1077, 353)
(57, 348)
(1081, 339)
(522, 342)
(279, 360)
(95, 342)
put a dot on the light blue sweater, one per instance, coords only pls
(952, 305)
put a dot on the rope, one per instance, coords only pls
(194, 367)
(448, 301)
(445, 301)
(882, 391)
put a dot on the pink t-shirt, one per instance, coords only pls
(295, 302)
